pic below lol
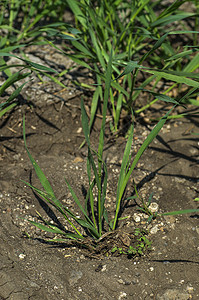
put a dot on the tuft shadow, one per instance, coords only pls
(7, 138)
(190, 178)
(172, 261)
(145, 180)
(175, 154)
(47, 122)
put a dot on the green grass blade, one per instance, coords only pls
(75, 7)
(16, 93)
(132, 65)
(182, 54)
(125, 163)
(101, 138)
(85, 125)
(42, 178)
(168, 20)
(180, 212)
(103, 197)
(38, 66)
(193, 64)
(171, 8)
(5, 110)
(175, 78)
(82, 49)
(30, 63)
(87, 223)
(11, 48)
(146, 143)
(11, 80)
(54, 79)
(56, 230)
(97, 48)
(86, 131)
(90, 195)
(105, 105)
(78, 203)
(161, 97)
(57, 205)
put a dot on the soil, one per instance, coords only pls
(31, 268)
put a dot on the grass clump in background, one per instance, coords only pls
(140, 33)
(22, 24)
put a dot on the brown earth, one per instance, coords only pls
(33, 269)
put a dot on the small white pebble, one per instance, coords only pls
(121, 281)
(190, 289)
(79, 130)
(136, 218)
(22, 256)
(153, 207)
(154, 229)
(122, 295)
(103, 268)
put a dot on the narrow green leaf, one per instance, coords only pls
(125, 163)
(182, 54)
(12, 48)
(30, 63)
(193, 64)
(129, 68)
(180, 212)
(175, 78)
(85, 122)
(38, 66)
(42, 178)
(168, 20)
(54, 229)
(12, 79)
(78, 202)
(16, 92)
(86, 131)
(74, 6)
(82, 49)
(145, 144)
(5, 110)
(161, 97)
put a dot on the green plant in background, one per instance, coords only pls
(21, 24)
(21, 20)
(25, 70)
(138, 36)
(141, 44)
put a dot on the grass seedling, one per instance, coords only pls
(97, 176)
